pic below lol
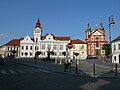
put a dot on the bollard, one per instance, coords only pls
(76, 68)
(60, 62)
(55, 61)
(116, 69)
(93, 69)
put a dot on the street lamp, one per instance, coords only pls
(68, 46)
(111, 22)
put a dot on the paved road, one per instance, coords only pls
(85, 68)
(43, 80)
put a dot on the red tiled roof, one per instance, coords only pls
(13, 42)
(116, 39)
(77, 41)
(61, 38)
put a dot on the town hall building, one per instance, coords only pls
(26, 47)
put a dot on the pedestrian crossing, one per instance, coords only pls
(18, 71)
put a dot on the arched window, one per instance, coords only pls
(26, 53)
(97, 44)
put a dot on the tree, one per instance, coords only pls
(13, 52)
(50, 53)
(37, 54)
(76, 54)
(64, 53)
(106, 47)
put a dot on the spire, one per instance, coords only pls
(88, 26)
(38, 23)
(101, 26)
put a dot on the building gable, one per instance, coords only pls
(97, 32)
(26, 39)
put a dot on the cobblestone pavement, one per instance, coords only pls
(84, 68)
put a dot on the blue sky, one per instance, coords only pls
(59, 17)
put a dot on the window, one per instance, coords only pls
(114, 58)
(60, 53)
(114, 47)
(54, 47)
(8, 48)
(82, 47)
(26, 47)
(36, 48)
(17, 48)
(30, 54)
(73, 46)
(43, 53)
(36, 39)
(55, 53)
(14, 48)
(43, 46)
(37, 31)
(26, 53)
(97, 44)
(118, 46)
(11, 48)
(61, 47)
(22, 47)
(30, 47)
(22, 53)
(49, 46)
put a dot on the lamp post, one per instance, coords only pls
(111, 22)
(68, 46)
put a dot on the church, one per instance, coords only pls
(95, 39)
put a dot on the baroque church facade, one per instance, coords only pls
(95, 39)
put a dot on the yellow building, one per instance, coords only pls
(78, 47)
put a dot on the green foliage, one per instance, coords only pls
(50, 53)
(76, 54)
(37, 54)
(13, 52)
(64, 53)
(106, 47)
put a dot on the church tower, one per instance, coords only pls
(37, 31)
(88, 31)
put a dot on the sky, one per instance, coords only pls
(59, 17)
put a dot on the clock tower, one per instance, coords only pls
(37, 31)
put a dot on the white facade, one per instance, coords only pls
(116, 51)
(28, 47)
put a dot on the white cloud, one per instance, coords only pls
(2, 35)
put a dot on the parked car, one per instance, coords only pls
(2, 62)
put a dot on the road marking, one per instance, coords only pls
(28, 70)
(3, 71)
(20, 71)
(12, 71)
(36, 70)
(44, 71)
